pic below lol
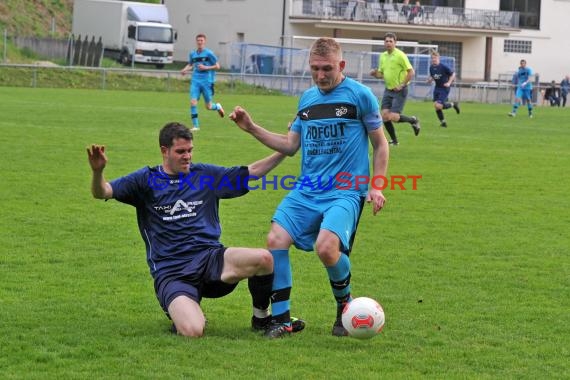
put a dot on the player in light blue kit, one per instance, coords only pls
(524, 89)
(177, 213)
(335, 120)
(203, 62)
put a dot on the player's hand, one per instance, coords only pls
(97, 157)
(377, 199)
(241, 118)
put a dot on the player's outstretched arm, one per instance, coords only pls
(100, 188)
(265, 165)
(286, 144)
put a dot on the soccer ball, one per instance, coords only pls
(363, 318)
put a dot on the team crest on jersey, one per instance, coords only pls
(341, 111)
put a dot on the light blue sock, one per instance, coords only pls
(194, 116)
(339, 276)
(282, 282)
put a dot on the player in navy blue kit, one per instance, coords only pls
(443, 77)
(335, 121)
(524, 89)
(203, 62)
(177, 214)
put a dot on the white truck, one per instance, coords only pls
(130, 31)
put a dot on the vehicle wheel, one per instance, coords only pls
(124, 58)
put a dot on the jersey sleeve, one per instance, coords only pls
(370, 110)
(212, 57)
(131, 188)
(406, 61)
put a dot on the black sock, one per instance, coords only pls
(439, 115)
(447, 105)
(391, 131)
(260, 289)
(406, 119)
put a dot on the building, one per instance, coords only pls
(487, 38)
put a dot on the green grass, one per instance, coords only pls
(472, 268)
(124, 80)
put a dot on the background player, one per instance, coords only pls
(524, 89)
(443, 77)
(203, 62)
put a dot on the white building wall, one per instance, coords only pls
(473, 58)
(492, 5)
(550, 56)
(221, 21)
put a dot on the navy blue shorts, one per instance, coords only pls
(201, 277)
(440, 94)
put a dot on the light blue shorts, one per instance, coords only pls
(198, 88)
(303, 217)
(524, 93)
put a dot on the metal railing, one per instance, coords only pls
(38, 76)
(391, 13)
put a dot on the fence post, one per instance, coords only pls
(5, 45)
(35, 76)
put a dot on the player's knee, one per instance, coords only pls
(275, 240)
(190, 330)
(265, 261)
(327, 250)
(193, 102)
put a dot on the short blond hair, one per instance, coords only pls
(325, 46)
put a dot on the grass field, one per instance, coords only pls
(472, 268)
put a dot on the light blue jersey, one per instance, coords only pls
(334, 130)
(204, 57)
(522, 76)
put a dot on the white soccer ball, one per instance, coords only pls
(363, 318)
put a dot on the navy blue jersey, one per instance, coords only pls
(178, 215)
(440, 74)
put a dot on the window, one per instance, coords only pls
(529, 12)
(516, 46)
